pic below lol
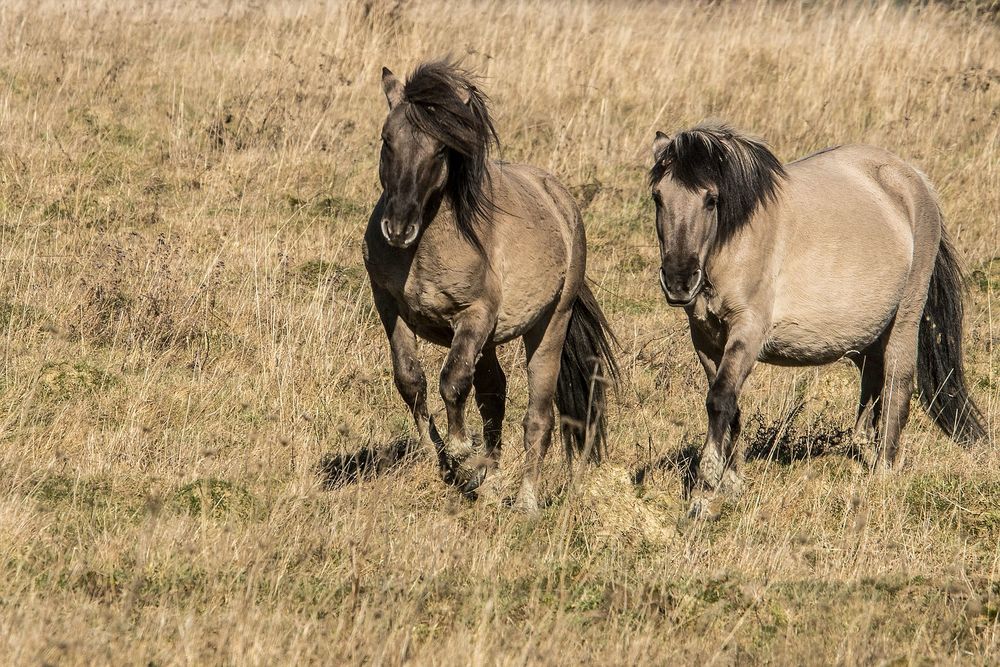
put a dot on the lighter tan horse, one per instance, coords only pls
(470, 253)
(839, 254)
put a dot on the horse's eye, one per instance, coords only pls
(441, 153)
(386, 145)
(710, 202)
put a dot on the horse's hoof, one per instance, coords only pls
(883, 463)
(698, 509)
(731, 484)
(462, 465)
(884, 469)
(470, 480)
(468, 474)
(703, 509)
(490, 492)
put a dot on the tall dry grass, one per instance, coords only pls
(187, 331)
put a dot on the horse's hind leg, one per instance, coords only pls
(490, 383)
(900, 359)
(543, 347)
(900, 367)
(871, 365)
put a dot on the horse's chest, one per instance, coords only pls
(439, 301)
(427, 303)
(707, 323)
(428, 293)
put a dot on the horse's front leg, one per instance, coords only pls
(491, 396)
(406, 370)
(719, 467)
(473, 329)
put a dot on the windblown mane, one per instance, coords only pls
(436, 107)
(745, 172)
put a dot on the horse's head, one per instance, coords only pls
(435, 142)
(706, 182)
(687, 221)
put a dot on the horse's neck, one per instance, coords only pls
(442, 241)
(746, 257)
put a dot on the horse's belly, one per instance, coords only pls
(536, 265)
(824, 327)
(806, 343)
(839, 285)
(430, 306)
(526, 302)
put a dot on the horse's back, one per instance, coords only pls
(855, 222)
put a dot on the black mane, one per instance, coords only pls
(745, 172)
(436, 107)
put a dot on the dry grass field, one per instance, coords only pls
(187, 332)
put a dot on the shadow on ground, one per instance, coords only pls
(337, 470)
(780, 440)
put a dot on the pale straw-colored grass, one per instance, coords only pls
(187, 330)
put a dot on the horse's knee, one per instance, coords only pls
(721, 406)
(456, 382)
(410, 380)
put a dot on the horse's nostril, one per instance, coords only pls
(385, 229)
(411, 233)
(663, 280)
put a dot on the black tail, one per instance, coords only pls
(940, 374)
(588, 367)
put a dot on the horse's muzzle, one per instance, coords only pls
(399, 236)
(682, 290)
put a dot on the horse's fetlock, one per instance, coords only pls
(710, 469)
(731, 483)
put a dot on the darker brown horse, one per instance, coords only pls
(470, 253)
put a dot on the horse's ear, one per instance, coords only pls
(659, 143)
(392, 87)
(465, 93)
